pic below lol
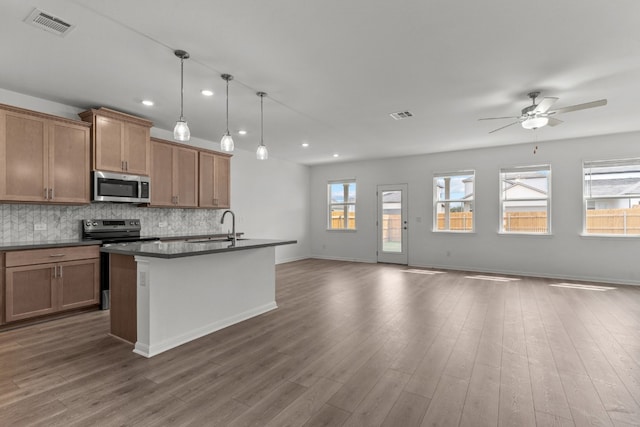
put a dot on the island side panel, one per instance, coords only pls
(182, 299)
(122, 281)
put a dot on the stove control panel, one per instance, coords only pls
(102, 225)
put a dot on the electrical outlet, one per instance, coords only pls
(142, 280)
(39, 227)
(163, 225)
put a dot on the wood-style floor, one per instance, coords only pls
(350, 344)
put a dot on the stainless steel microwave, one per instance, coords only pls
(118, 187)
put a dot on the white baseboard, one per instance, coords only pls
(576, 277)
(150, 351)
(286, 260)
(332, 258)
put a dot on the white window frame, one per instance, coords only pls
(436, 201)
(588, 198)
(345, 203)
(547, 199)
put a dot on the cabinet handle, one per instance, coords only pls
(178, 199)
(121, 164)
(60, 271)
(45, 193)
(126, 165)
(54, 272)
(56, 255)
(51, 194)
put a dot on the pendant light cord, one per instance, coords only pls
(261, 119)
(227, 106)
(182, 89)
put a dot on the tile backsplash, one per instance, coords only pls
(25, 222)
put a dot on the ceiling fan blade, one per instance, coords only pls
(554, 122)
(598, 103)
(544, 105)
(499, 118)
(510, 124)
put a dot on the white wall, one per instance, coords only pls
(564, 254)
(270, 198)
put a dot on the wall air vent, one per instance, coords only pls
(400, 115)
(49, 23)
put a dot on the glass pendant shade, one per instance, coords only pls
(262, 153)
(181, 132)
(535, 122)
(226, 144)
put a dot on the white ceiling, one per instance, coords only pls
(334, 70)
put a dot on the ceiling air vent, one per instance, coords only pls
(48, 22)
(401, 115)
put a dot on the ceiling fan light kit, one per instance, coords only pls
(535, 122)
(535, 116)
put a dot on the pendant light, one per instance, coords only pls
(262, 153)
(226, 143)
(181, 131)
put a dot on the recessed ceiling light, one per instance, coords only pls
(147, 102)
(206, 92)
(242, 132)
(336, 155)
(305, 144)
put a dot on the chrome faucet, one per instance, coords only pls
(233, 225)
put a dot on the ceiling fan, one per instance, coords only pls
(538, 115)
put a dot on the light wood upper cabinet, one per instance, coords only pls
(69, 154)
(43, 158)
(174, 175)
(215, 180)
(120, 142)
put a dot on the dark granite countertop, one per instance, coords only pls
(44, 244)
(182, 248)
(197, 236)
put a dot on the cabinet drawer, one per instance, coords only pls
(42, 256)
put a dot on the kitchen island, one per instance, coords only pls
(164, 294)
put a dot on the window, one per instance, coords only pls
(612, 197)
(525, 202)
(342, 205)
(453, 195)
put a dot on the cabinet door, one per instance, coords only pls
(222, 183)
(207, 180)
(30, 291)
(186, 176)
(69, 176)
(136, 149)
(162, 174)
(78, 283)
(109, 144)
(23, 157)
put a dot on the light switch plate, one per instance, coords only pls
(39, 227)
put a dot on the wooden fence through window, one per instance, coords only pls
(599, 221)
(337, 221)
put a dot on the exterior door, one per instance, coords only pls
(392, 224)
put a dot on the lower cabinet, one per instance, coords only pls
(35, 286)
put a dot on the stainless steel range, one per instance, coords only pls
(110, 231)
